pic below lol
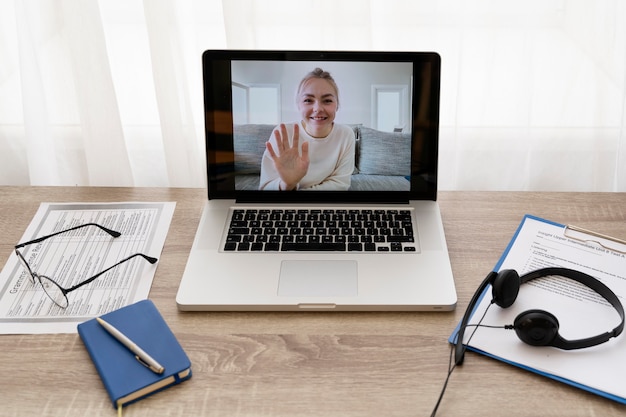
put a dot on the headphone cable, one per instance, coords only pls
(452, 365)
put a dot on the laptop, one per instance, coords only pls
(275, 234)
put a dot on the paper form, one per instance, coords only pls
(580, 311)
(70, 258)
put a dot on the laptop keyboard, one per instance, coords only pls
(324, 230)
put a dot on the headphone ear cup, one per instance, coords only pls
(505, 287)
(536, 327)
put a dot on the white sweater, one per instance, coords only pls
(331, 160)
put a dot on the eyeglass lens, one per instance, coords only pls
(50, 287)
(53, 291)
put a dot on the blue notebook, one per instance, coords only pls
(124, 377)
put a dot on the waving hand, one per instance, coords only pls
(290, 165)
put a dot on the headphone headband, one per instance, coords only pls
(458, 348)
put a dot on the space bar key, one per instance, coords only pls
(338, 247)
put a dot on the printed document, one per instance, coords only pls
(580, 311)
(70, 258)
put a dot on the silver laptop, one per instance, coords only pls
(322, 184)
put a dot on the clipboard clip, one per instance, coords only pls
(584, 235)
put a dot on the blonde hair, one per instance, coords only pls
(322, 75)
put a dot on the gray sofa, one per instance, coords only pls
(383, 159)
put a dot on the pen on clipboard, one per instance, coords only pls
(140, 354)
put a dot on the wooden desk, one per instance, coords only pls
(307, 364)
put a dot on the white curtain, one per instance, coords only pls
(109, 93)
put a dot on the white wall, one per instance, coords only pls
(355, 93)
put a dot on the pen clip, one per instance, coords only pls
(147, 365)
(599, 240)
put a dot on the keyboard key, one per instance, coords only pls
(340, 247)
(272, 246)
(238, 223)
(369, 247)
(400, 239)
(396, 247)
(355, 247)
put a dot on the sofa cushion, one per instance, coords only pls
(361, 182)
(384, 153)
(249, 145)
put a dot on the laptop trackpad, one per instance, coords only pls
(318, 278)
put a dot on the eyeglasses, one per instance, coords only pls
(53, 290)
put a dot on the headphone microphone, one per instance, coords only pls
(537, 327)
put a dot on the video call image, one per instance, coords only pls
(322, 126)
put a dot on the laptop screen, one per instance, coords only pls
(321, 126)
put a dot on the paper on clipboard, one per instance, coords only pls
(539, 243)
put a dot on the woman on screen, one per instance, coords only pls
(314, 153)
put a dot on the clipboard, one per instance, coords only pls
(607, 359)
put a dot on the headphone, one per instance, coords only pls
(537, 327)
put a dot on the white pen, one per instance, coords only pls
(140, 355)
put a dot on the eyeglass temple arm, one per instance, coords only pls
(41, 239)
(146, 257)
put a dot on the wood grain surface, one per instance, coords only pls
(307, 364)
